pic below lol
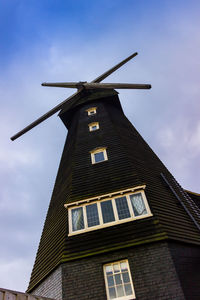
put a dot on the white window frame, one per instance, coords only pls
(91, 125)
(116, 221)
(91, 111)
(98, 150)
(129, 297)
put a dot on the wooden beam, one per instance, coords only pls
(113, 69)
(45, 116)
(91, 85)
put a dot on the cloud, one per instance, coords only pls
(180, 147)
(20, 267)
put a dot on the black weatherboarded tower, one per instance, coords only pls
(118, 226)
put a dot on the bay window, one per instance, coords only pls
(108, 212)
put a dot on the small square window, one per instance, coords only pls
(118, 281)
(98, 155)
(93, 126)
(91, 111)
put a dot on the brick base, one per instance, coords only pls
(153, 273)
(157, 272)
(51, 287)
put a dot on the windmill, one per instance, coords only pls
(119, 226)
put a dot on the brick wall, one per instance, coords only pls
(153, 273)
(51, 287)
(187, 263)
(161, 270)
(6, 294)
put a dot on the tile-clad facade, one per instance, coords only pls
(131, 163)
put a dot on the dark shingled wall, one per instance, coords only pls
(195, 197)
(131, 162)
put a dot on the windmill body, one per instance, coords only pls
(118, 226)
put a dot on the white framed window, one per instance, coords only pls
(118, 280)
(98, 155)
(108, 212)
(93, 126)
(91, 111)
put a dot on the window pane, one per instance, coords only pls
(92, 215)
(124, 266)
(109, 270)
(120, 290)
(112, 293)
(99, 157)
(110, 280)
(122, 208)
(94, 127)
(128, 289)
(126, 278)
(138, 204)
(77, 219)
(118, 279)
(116, 268)
(107, 211)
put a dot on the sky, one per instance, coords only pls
(47, 40)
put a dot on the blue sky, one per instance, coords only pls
(50, 40)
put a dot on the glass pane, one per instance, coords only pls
(91, 112)
(99, 157)
(92, 215)
(126, 278)
(116, 268)
(112, 293)
(120, 290)
(109, 270)
(128, 289)
(94, 127)
(124, 266)
(107, 211)
(138, 204)
(122, 208)
(118, 279)
(110, 280)
(77, 219)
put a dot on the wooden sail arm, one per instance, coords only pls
(72, 98)
(91, 85)
(45, 116)
(113, 69)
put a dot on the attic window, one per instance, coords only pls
(91, 111)
(118, 280)
(93, 126)
(108, 212)
(98, 155)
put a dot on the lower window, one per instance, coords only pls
(118, 281)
